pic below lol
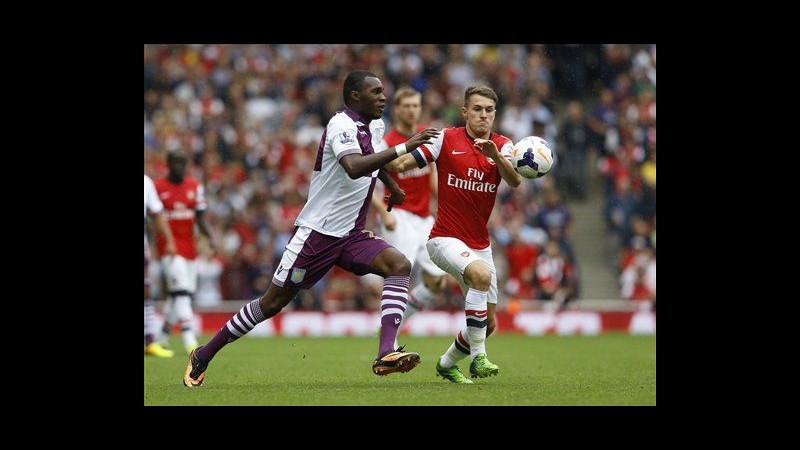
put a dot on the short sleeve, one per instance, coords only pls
(343, 139)
(151, 201)
(431, 152)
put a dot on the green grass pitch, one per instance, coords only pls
(609, 369)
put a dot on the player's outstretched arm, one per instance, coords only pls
(357, 165)
(401, 164)
(388, 219)
(414, 159)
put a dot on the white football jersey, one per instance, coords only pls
(337, 204)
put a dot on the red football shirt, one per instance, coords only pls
(468, 183)
(180, 202)
(415, 183)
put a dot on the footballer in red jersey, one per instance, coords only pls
(154, 208)
(470, 163)
(184, 203)
(407, 226)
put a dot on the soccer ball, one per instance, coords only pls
(532, 157)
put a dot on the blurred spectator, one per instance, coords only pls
(521, 258)
(615, 61)
(602, 123)
(571, 63)
(620, 207)
(516, 120)
(572, 156)
(653, 234)
(636, 238)
(554, 218)
(555, 276)
(648, 170)
(638, 280)
(546, 131)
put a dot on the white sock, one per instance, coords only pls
(411, 308)
(475, 309)
(423, 296)
(183, 310)
(170, 319)
(170, 311)
(419, 299)
(150, 321)
(458, 350)
(189, 338)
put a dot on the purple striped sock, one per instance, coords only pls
(393, 304)
(239, 325)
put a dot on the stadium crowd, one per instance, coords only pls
(250, 118)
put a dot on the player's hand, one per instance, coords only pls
(487, 147)
(389, 221)
(423, 137)
(396, 198)
(170, 248)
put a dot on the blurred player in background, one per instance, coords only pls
(330, 229)
(153, 207)
(184, 201)
(470, 163)
(408, 225)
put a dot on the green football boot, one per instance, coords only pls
(452, 373)
(481, 367)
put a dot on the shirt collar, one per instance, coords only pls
(466, 130)
(356, 118)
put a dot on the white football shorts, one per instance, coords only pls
(410, 236)
(454, 256)
(181, 273)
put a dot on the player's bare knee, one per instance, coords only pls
(400, 266)
(266, 304)
(435, 284)
(478, 276)
(271, 305)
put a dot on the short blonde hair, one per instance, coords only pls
(404, 92)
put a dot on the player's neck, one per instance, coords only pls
(175, 179)
(472, 135)
(406, 129)
(358, 116)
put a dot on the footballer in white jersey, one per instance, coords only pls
(330, 229)
(336, 203)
